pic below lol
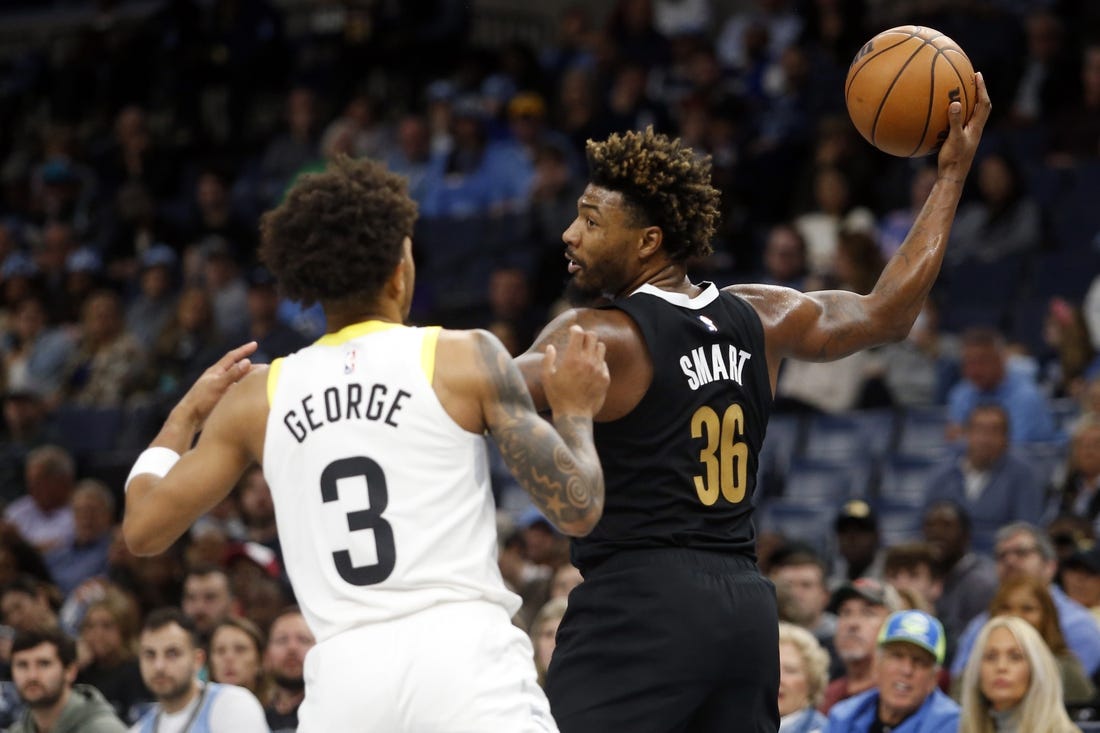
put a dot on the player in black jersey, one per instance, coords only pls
(674, 628)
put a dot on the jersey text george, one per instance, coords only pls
(344, 403)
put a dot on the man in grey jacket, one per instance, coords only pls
(43, 667)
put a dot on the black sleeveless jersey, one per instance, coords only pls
(680, 469)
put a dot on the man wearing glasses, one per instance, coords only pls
(1023, 549)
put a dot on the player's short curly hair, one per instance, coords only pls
(665, 182)
(338, 233)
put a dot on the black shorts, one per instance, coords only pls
(668, 640)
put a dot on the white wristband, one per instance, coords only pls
(157, 461)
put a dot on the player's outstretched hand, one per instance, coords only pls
(209, 388)
(576, 380)
(957, 152)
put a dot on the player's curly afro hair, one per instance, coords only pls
(667, 184)
(337, 234)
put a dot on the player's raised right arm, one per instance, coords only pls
(557, 465)
(830, 324)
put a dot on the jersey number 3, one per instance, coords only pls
(725, 459)
(370, 518)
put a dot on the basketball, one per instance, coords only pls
(900, 85)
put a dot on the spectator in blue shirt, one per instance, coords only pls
(1023, 549)
(987, 378)
(906, 697)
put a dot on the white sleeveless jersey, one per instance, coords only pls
(382, 501)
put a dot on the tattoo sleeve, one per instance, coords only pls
(556, 464)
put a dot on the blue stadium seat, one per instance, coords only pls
(921, 432)
(796, 522)
(827, 483)
(905, 480)
(849, 435)
(781, 444)
(87, 430)
(897, 524)
(1067, 272)
(1075, 214)
(979, 293)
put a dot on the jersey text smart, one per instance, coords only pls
(703, 366)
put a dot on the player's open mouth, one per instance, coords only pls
(573, 265)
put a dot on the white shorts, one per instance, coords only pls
(454, 668)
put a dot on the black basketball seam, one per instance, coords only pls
(893, 83)
(940, 53)
(962, 82)
(876, 53)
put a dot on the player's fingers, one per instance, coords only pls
(981, 112)
(548, 358)
(601, 351)
(589, 341)
(239, 369)
(235, 355)
(954, 116)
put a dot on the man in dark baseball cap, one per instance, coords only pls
(1080, 578)
(857, 540)
(861, 606)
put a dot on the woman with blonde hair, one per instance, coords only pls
(803, 674)
(1029, 598)
(544, 633)
(1011, 683)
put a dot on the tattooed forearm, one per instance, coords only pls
(559, 468)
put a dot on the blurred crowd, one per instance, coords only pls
(141, 141)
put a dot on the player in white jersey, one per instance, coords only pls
(372, 442)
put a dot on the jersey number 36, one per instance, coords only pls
(724, 458)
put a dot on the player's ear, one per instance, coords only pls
(401, 279)
(652, 237)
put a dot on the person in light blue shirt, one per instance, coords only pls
(1022, 548)
(986, 378)
(906, 697)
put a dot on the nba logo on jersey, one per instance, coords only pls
(349, 361)
(709, 324)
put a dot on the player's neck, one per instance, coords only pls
(671, 277)
(339, 316)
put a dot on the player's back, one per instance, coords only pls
(680, 468)
(382, 501)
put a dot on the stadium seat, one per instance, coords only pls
(905, 479)
(979, 293)
(827, 483)
(922, 432)
(845, 436)
(796, 522)
(781, 444)
(87, 430)
(897, 524)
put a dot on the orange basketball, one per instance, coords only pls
(900, 84)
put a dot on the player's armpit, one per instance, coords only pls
(559, 468)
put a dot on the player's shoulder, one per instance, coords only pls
(463, 353)
(606, 323)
